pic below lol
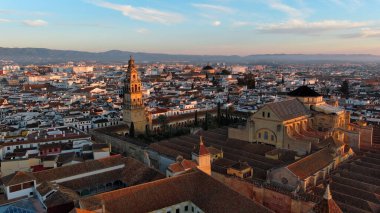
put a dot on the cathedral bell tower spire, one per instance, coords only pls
(134, 109)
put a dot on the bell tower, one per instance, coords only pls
(134, 109)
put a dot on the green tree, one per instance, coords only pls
(132, 130)
(196, 118)
(226, 72)
(248, 80)
(214, 81)
(218, 116)
(163, 121)
(205, 124)
(344, 89)
(251, 82)
(147, 130)
(227, 118)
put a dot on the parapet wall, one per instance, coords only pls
(274, 200)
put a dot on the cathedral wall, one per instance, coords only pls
(324, 122)
(351, 138)
(284, 177)
(119, 145)
(301, 147)
(239, 133)
(275, 200)
(366, 134)
(272, 127)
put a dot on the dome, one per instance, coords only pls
(304, 91)
(208, 67)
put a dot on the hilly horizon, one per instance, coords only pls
(46, 56)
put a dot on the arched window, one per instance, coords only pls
(265, 135)
(134, 77)
(136, 88)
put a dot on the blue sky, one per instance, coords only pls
(225, 27)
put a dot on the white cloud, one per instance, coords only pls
(364, 33)
(368, 32)
(142, 13)
(6, 11)
(348, 4)
(297, 26)
(4, 20)
(35, 23)
(216, 8)
(242, 24)
(280, 6)
(216, 23)
(142, 31)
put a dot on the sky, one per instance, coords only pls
(222, 27)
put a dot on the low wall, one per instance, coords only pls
(118, 145)
(276, 201)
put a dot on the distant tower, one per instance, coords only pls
(134, 109)
(202, 156)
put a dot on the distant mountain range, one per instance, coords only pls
(46, 56)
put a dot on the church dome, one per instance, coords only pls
(304, 91)
(208, 67)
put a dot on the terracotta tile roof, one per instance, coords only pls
(121, 127)
(196, 187)
(376, 135)
(94, 180)
(77, 210)
(327, 205)
(182, 166)
(134, 172)
(201, 149)
(214, 151)
(141, 173)
(355, 184)
(62, 196)
(45, 187)
(331, 141)
(17, 178)
(312, 163)
(288, 109)
(235, 150)
(223, 162)
(64, 158)
(70, 170)
(168, 151)
(241, 166)
(184, 117)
